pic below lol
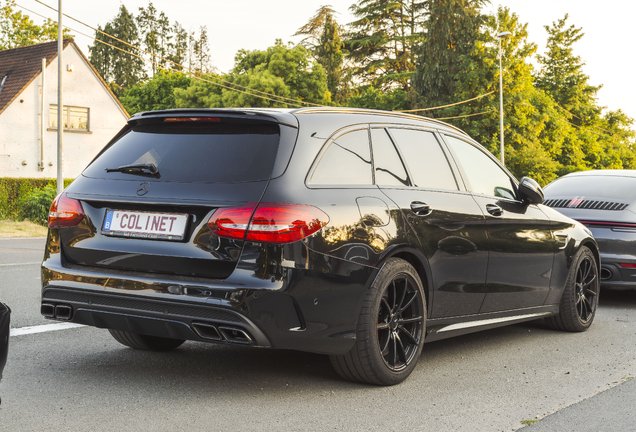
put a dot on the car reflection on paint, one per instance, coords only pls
(354, 233)
(605, 202)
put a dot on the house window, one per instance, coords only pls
(75, 118)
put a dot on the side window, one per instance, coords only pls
(426, 161)
(389, 169)
(484, 175)
(347, 161)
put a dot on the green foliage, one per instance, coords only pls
(561, 72)
(12, 190)
(36, 205)
(394, 99)
(120, 69)
(282, 71)
(323, 40)
(453, 27)
(382, 40)
(155, 94)
(18, 30)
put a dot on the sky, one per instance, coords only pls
(607, 47)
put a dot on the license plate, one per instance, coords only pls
(147, 225)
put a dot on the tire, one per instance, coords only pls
(390, 330)
(580, 296)
(144, 342)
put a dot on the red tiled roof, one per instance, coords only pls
(21, 65)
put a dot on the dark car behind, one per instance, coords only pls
(605, 202)
(5, 315)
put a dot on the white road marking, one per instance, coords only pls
(20, 264)
(43, 328)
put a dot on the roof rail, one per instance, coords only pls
(367, 111)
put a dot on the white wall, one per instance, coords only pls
(20, 124)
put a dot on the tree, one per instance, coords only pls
(155, 94)
(324, 42)
(602, 141)
(329, 54)
(178, 49)
(17, 29)
(561, 72)
(382, 40)
(314, 28)
(120, 69)
(150, 33)
(452, 29)
(201, 51)
(535, 131)
(287, 72)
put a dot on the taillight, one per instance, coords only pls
(65, 212)
(268, 223)
(628, 265)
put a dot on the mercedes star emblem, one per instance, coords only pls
(143, 188)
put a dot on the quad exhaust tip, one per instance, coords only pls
(207, 331)
(47, 310)
(235, 335)
(229, 334)
(63, 312)
(606, 273)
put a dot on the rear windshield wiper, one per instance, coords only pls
(147, 168)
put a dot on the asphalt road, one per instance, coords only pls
(82, 379)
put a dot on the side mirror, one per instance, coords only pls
(531, 191)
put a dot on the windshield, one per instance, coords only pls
(614, 188)
(190, 151)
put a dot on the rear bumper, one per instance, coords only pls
(615, 277)
(309, 305)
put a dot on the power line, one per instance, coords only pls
(297, 102)
(467, 115)
(445, 106)
(574, 115)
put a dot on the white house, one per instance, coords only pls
(28, 111)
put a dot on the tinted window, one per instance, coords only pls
(426, 161)
(389, 169)
(484, 175)
(194, 152)
(617, 188)
(347, 161)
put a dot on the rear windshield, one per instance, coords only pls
(621, 189)
(193, 151)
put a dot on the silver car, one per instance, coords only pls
(605, 202)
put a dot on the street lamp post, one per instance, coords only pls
(501, 125)
(60, 107)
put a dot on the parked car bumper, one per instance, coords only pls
(5, 315)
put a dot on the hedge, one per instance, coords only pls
(12, 189)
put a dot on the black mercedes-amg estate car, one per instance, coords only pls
(605, 202)
(354, 233)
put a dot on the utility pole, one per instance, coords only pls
(60, 106)
(501, 123)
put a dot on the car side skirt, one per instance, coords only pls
(442, 328)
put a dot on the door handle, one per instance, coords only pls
(494, 209)
(420, 208)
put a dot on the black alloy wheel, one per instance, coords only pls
(580, 295)
(586, 295)
(391, 328)
(399, 322)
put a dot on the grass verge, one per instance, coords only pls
(21, 229)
